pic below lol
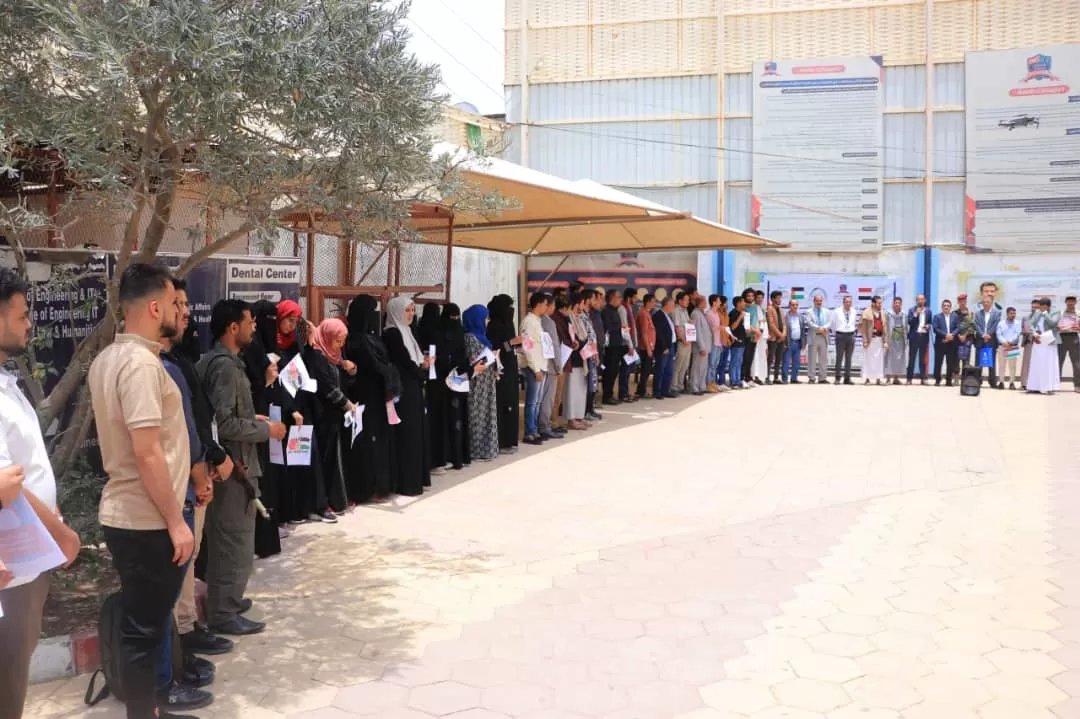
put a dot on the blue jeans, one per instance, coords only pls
(792, 362)
(165, 665)
(665, 373)
(533, 389)
(722, 365)
(735, 361)
(714, 363)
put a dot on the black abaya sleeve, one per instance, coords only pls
(395, 348)
(327, 379)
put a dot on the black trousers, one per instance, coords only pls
(748, 360)
(917, 348)
(612, 367)
(149, 584)
(845, 349)
(646, 369)
(948, 353)
(776, 357)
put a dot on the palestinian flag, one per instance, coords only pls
(798, 293)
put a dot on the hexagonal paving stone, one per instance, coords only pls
(801, 627)
(962, 640)
(590, 699)
(457, 650)
(372, 698)
(739, 696)
(637, 611)
(933, 710)
(1039, 692)
(764, 670)
(615, 630)
(1025, 639)
(696, 609)
(785, 713)
(674, 628)
(945, 688)
(1007, 709)
(1068, 682)
(858, 711)
(481, 714)
(664, 697)
(855, 624)
(624, 671)
(841, 645)
(882, 692)
(416, 674)
(444, 698)
(484, 673)
(826, 667)
(553, 673)
(811, 695)
(1025, 664)
(518, 699)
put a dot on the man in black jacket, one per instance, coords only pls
(665, 349)
(616, 344)
(195, 638)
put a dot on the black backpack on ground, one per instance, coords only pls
(109, 643)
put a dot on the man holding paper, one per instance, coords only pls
(1008, 359)
(25, 477)
(230, 520)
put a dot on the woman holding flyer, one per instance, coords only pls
(333, 374)
(411, 447)
(375, 385)
(483, 406)
(306, 484)
(502, 333)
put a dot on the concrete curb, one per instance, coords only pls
(64, 657)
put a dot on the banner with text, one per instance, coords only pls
(818, 153)
(1023, 141)
(832, 288)
(1018, 289)
(657, 273)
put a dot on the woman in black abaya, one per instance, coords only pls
(411, 447)
(268, 532)
(502, 333)
(448, 411)
(332, 374)
(427, 332)
(369, 461)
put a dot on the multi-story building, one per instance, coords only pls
(737, 110)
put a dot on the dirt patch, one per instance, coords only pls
(77, 593)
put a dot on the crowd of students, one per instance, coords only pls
(188, 438)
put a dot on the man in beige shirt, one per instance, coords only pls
(145, 451)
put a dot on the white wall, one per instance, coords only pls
(479, 275)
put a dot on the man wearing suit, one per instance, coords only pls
(818, 320)
(797, 331)
(919, 322)
(946, 343)
(987, 318)
(664, 351)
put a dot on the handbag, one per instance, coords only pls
(986, 356)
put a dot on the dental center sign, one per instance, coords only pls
(249, 272)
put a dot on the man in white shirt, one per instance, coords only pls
(819, 320)
(22, 455)
(845, 322)
(1008, 337)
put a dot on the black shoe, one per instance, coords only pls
(757, 381)
(533, 440)
(245, 605)
(550, 435)
(697, 394)
(795, 381)
(238, 627)
(198, 672)
(200, 641)
(164, 714)
(1001, 385)
(847, 381)
(594, 415)
(823, 381)
(671, 395)
(658, 396)
(183, 698)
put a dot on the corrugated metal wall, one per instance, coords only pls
(627, 133)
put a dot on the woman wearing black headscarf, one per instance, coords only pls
(502, 333)
(428, 326)
(448, 411)
(369, 465)
(273, 488)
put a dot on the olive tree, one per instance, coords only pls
(267, 107)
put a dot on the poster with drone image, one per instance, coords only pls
(1023, 147)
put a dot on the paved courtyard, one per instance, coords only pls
(786, 553)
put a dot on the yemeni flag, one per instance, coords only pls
(866, 293)
(798, 293)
